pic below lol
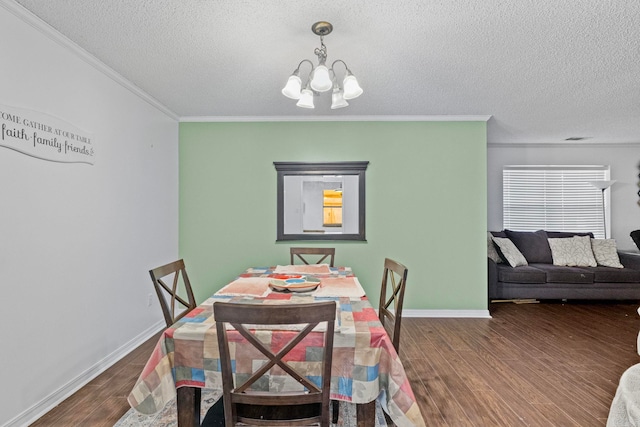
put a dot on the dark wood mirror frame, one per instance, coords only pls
(323, 168)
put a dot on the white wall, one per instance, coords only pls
(77, 240)
(623, 159)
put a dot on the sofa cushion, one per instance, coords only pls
(615, 275)
(573, 252)
(492, 252)
(509, 252)
(533, 245)
(522, 274)
(605, 252)
(630, 259)
(562, 274)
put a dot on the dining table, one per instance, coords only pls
(365, 369)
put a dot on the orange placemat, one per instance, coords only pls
(303, 269)
(340, 287)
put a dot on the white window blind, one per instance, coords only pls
(553, 198)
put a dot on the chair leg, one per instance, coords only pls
(335, 406)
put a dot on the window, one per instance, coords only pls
(554, 198)
(321, 201)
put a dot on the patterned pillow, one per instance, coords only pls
(509, 252)
(606, 253)
(572, 251)
(492, 253)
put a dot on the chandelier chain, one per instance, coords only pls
(321, 52)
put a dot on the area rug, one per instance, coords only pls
(167, 417)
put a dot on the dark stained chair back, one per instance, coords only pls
(394, 280)
(320, 254)
(172, 297)
(242, 404)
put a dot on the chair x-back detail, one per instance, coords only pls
(394, 280)
(322, 253)
(245, 404)
(174, 306)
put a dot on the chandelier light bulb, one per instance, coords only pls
(351, 87)
(306, 99)
(337, 100)
(292, 88)
(321, 81)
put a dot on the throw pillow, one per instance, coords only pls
(572, 251)
(492, 253)
(635, 236)
(533, 245)
(606, 253)
(509, 252)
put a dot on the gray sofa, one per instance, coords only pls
(540, 279)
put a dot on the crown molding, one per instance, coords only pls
(443, 118)
(29, 18)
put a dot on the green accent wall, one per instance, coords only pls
(425, 202)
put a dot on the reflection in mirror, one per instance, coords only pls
(326, 204)
(332, 207)
(321, 201)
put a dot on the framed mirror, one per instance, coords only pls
(321, 201)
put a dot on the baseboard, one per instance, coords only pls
(483, 314)
(45, 405)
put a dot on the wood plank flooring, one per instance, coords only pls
(547, 364)
(103, 401)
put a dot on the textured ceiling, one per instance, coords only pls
(545, 70)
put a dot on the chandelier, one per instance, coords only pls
(321, 78)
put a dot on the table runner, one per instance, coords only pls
(365, 365)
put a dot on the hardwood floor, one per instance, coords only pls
(547, 364)
(104, 400)
(531, 364)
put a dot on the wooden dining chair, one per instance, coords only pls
(173, 303)
(394, 280)
(301, 254)
(244, 404)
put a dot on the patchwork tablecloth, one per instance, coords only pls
(365, 365)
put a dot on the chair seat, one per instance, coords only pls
(305, 414)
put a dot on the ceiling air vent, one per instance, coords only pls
(577, 138)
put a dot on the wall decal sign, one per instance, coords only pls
(44, 137)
